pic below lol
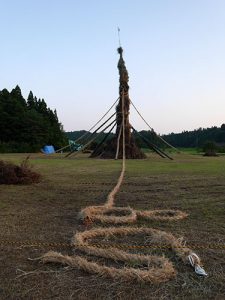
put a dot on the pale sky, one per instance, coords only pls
(65, 52)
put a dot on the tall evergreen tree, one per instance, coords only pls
(30, 101)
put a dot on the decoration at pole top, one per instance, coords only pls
(120, 50)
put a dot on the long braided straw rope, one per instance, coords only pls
(157, 268)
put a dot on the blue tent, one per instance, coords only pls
(48, 149)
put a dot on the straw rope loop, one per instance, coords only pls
(156, 268)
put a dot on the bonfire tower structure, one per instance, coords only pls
(132, 151)
(111, 149)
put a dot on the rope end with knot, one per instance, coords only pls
(195, 263)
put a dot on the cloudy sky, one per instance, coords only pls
(65, 52)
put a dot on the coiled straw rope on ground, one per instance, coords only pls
(159, 269)
(156, 268)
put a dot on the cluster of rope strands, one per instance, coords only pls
(156, 268)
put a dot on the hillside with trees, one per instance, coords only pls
(198, 138)
(27, 125)
(190, 139)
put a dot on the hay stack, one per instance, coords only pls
(18, 174)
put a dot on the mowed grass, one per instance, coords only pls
(46, 212)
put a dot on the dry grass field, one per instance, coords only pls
(46, 212)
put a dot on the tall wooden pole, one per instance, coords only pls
(123, 92)
(110, 149)
(132, 151)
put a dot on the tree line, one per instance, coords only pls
(187, 139)
(198, 138)
(27, 125)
